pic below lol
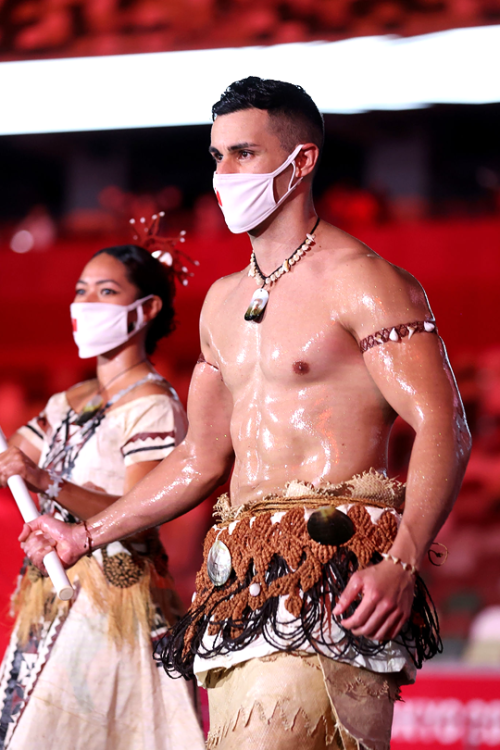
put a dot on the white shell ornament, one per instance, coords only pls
(219, 563)
(254, 589)
(257, 304)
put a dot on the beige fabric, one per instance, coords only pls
(92, 695)
(75, 686)
(300, 701)
(271, 703)
(101, 460)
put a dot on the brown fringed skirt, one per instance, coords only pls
(275, 561)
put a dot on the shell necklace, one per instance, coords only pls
(261, 296)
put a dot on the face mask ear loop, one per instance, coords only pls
(138, 324)
(140, 316)
(292, 177)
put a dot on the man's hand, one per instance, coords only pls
(44, 534)
(387, 596)
(13, 461)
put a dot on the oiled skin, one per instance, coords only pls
(304, 403)
(292, 397)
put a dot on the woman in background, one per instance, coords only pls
(81, 674)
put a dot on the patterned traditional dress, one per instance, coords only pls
(81, 675)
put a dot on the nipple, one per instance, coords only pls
(300, 368)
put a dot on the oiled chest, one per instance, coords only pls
(298, 340)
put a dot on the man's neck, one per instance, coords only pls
(282, 234)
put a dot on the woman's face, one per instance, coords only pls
(104, 279)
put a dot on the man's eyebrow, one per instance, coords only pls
(236, 147)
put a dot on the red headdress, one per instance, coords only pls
(163, 248)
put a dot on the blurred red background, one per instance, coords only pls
(421, 187)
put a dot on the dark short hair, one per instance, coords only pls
(150, 277)
(296, 117)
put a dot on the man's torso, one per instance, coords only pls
(304, 404)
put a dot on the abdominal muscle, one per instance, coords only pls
(320, 434)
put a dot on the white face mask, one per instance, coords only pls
(246, 200)
(99, 327)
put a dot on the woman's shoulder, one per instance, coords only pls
(78, 395)
(151, 411)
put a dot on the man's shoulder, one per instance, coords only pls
(370, 292)
(221, 288)
(354, 263)
(216, 297)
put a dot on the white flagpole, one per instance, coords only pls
(29, 512)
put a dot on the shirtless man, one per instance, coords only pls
(290, 396)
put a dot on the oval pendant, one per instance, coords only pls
(257, 304)
(219, 563)
(330, 526)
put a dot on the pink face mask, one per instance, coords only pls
(246, 200)
(99, 327)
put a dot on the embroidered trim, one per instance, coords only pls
(397, 333)
(164, 446)
(142, 436)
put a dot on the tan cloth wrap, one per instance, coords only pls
(299, 701)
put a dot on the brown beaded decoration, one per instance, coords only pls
(33, 573)
(121, 570)
(396, 333)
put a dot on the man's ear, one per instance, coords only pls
(306, 160)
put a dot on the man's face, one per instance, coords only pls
(245, 142)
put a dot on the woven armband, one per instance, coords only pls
(397, 333)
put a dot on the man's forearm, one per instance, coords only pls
(178, 484)
(438, 462)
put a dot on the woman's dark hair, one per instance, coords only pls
(150, 277)
(295, 116)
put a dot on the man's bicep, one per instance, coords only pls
(209, 413)
(415, 378)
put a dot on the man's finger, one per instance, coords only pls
(397, 627)
(362, 615)
(381, 625)
(349, 595)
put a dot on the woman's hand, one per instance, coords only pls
(13, 461)
(45, 534)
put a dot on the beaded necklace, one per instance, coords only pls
(261, 296)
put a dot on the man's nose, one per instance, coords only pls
(224, 167)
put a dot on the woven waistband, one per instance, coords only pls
(369, 488)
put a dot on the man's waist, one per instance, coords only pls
(369, 488)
